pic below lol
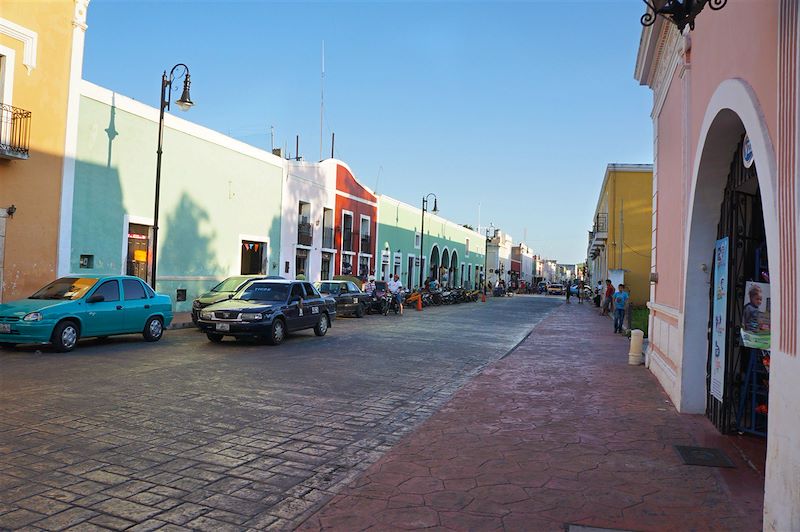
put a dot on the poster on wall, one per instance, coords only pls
(756, 316)
(720, 313)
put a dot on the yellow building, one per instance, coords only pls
(41, 53)
(620, 241)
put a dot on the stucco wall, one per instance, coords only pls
(34, 185)
(212, 195)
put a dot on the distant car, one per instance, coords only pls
(76, 307)
(555, 289)
(269, 309)
(222, 291)
(542, 287)
(349, 297)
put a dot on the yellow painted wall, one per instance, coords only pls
(630, 204)
(34, 185)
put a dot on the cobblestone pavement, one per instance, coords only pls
(121, 434)
(561, 431)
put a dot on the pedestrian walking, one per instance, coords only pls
(598, 294)
(566, 286)
(580, 291)
(620, 301)
(607, 296)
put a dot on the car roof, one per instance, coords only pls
(96, 276)
(338, 281)
(277, 281)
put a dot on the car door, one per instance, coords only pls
(295, 311)
(354, 294)
(106, 316)
(136, 305)
(312, 304)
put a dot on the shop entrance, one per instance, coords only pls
(737, 378)
(138, 258)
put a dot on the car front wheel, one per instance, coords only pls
(322, 325)
(212, 337)
(277, 332)
(360, 310)
(153, 329)
(65, 336)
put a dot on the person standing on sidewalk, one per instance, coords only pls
(580, 291)
(620, 301)
(609, 294)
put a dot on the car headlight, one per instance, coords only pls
(33, 316)
(196, 304)
(251, 316)
(206, 315)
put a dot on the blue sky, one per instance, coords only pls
(513, 106)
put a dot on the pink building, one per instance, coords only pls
(725, 218)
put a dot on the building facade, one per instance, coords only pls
(41, 53)
(220, 210)
(621, 237)
(725, 218)
(498, 252)
(450, 253)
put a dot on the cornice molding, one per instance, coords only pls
(79, 15)
(27, 37)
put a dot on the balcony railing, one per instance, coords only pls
(304, 234)
(327, 237)
(601, 223)
(365, 244)
(15, 132)
(347, 241)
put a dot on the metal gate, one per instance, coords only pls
(742, 221)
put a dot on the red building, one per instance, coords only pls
(356, 218)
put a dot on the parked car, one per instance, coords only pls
(222, 291)
(349, 297)
(555, 289)
(76, 307)
(269, 309)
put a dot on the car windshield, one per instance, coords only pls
(264, 292)
(231, 284)
(329, 288)
(66, 288)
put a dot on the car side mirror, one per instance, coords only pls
(96, 298)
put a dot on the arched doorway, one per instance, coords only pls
(444, 271)
(732, 243)
(434, 270)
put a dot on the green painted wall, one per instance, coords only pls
(210, 195)
(398, 223)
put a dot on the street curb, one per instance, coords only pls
(180, 325)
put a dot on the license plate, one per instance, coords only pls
(355, 300)
(5, 328)
(223, 326)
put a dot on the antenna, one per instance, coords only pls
(272, 137)
(321, 99)
(378, 179)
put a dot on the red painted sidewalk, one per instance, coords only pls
(560, 431)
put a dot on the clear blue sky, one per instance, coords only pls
(515, 106)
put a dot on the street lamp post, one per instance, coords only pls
(422, 232)
(486, 258)
(184, 103)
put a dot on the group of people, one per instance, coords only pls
(616, 300)
(395, 287)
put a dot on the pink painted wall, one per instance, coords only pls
(739, 41)
(670, 221)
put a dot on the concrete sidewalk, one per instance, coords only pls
(561, 431)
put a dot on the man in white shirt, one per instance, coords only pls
(396, 288)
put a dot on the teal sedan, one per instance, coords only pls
(85, 306)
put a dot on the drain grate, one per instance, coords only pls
(703, 456)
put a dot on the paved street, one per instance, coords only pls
(229, 436)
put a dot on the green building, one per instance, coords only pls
(220, 211)
(451, 253)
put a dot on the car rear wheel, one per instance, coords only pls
(322, 325)
(153, 329)
(65, 336)
(360, 310)
(277, 332)
(215, 338)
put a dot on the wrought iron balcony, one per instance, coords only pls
(15, 132)
(601, 223)
(304, 234)
(327, 237)
(365, 243)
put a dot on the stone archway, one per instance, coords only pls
(732, 111)
(434, 270)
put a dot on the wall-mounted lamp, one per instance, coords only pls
(11, 210)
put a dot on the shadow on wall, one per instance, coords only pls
(183, 249)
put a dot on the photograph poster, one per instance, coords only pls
(755, 329)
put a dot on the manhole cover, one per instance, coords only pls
(703, 456)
